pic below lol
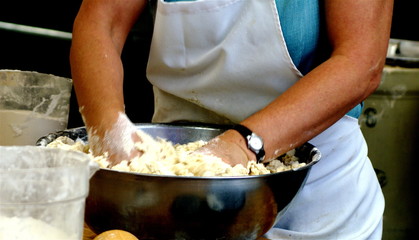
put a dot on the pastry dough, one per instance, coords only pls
(162, 157)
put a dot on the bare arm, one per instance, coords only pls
(359, 33)
(99, 34)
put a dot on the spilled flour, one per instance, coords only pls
(162, 157)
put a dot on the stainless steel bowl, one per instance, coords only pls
(177, 207)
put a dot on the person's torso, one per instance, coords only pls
(300, 23)
(222, 60)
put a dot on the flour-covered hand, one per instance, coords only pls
(117, 140)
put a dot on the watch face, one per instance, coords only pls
(255, 142)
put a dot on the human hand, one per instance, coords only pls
(230, 147)
(117, 140)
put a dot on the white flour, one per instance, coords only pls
(16, 228)
(19, 127)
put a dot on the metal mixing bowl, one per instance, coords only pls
(177, 207)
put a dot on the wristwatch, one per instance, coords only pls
(254, 142)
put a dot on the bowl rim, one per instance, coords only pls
(74, 133)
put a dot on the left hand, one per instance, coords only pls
(230, 147)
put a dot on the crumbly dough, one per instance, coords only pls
(162, 157)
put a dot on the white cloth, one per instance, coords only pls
(202, 50)
(342, 198)
(207, 64)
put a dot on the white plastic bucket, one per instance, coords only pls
(43, 192)
(32, 105)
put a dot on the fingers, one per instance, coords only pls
(118, 140)
(226, 148)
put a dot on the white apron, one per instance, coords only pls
(207, 65)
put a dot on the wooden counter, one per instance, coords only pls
(87, 233)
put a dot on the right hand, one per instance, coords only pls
(117, 140)
(230, 147)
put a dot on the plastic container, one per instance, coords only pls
(43, 192)
(31, 105)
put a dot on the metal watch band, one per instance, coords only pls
(248, 134)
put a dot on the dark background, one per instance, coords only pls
(49, 55)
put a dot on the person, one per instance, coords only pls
(261, 64)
